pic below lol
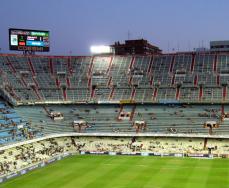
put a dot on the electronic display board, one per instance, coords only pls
(29, 40)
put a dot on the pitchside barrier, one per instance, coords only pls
(197, 155)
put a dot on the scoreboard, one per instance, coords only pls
(29, 40)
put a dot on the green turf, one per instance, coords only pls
(127, 171)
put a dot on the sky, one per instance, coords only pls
(75, 25)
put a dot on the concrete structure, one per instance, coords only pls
(219, 46)
(141, 46)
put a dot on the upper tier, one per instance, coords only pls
(180, 77)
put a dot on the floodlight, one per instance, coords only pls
(100, 49)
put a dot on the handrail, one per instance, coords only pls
(113, 135)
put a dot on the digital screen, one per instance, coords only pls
(29, 40)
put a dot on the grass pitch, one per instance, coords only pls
(126, 172)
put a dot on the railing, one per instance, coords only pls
(113, 135)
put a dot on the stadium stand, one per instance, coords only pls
(195, 83)
(19, 157)
(177, 77)
(14, 159)
(104, 118)
(13, 127)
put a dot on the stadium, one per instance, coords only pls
(129, 115)
(150, 105)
